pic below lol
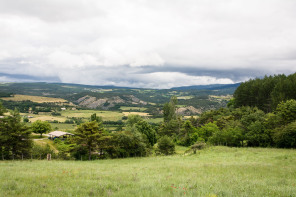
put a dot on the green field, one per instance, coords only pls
(216, 171)
(155, 120)
(124, 108)
(60, 126)
(106, 115)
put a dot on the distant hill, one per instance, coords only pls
(207, 87)
(193, 99)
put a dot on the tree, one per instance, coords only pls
(208, 130)
(146, 129)
(186, 137)
(286, 112)
(165, 145)
(169, 110)
(2, 109)
(132, 120)
(127, 144)
(285, 137)
(40, 127)
(15, 139)
(94, 117)
(88, 134)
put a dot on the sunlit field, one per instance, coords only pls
(215, 171)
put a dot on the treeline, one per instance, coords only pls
(266, 93)
(35, 108)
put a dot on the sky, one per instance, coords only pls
(146, 43)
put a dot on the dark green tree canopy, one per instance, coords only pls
(88, 134)
(165, 145)
(15, 139)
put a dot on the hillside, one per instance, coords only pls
(192, 100)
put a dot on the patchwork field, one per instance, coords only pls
(48, 118)
(106, 115)
(36, 99)
(216, 171)
(85, 116)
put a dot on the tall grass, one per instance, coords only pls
(216, 171)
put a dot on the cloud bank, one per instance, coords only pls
(141, 43)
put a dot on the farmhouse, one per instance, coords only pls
(59, 134)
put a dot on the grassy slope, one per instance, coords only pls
(217, 171)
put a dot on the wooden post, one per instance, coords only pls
(48, 157)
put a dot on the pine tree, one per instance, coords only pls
(89, 134)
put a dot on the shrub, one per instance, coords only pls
(165, 146)
(198, 146)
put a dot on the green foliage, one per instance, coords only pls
(208, 130)
(146, 129)
(198, 146)
(165, 146)
(15, 141)
(40, 152)
(26, 119)
(127, 144)
(94, 117)
(132, 120)
(169, 110)
(266, 93)
(188, 134)
(64, 147)
(285, 137)
(231, 135)
(286, 112)
(2, 109)
(88, 134)
(40, 127)
(56, 114)
(171, 128)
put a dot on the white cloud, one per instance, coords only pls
(72, 39)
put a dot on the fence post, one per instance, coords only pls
(48, 157)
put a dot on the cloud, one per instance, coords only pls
(147, 43)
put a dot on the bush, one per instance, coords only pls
(165, 146)
(56, 114)
(40, 152)
(198, 146)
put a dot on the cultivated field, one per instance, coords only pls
(36, 99)
(216, 171)
(106, 115)
(124, 108)
(135, 113)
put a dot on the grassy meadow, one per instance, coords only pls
(36, 99)
(215, 171)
